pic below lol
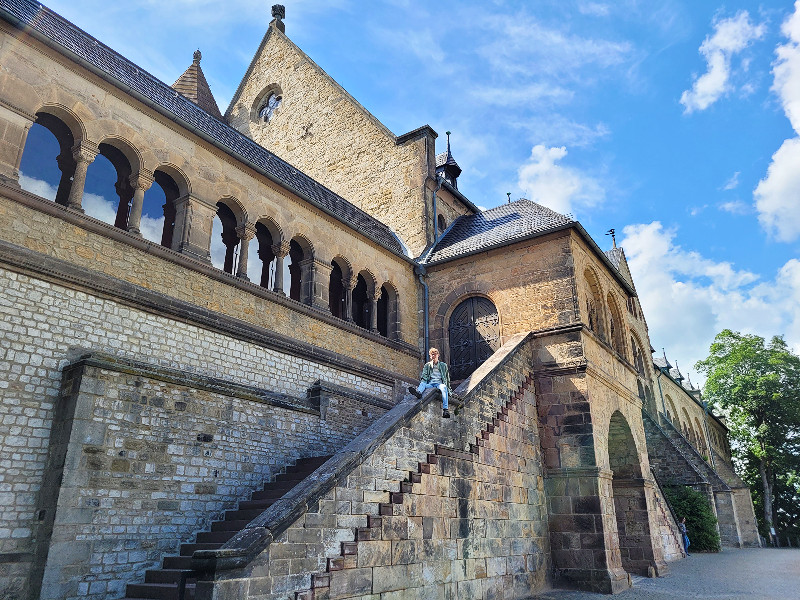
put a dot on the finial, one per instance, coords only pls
(279, 13)
(612, 232)
(509, 197)
(449, 155)
(197, 56)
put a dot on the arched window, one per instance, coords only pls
(295, 279)
(594, 305)
(158, 209)
(441, 223)
(387, 312)
(224, 240)
(47, 166)
(269, 106)
(474, 333)
(266, 255)
(361, 304)
(107, 176)
(615, 324)
(337, 291)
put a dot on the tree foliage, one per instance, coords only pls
(701, 524)
(757, 385)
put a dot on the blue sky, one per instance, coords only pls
(677, 125)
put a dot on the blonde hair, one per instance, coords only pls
(434, 350)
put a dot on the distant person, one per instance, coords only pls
(435, 374)
(685, 534)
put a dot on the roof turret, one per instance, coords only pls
(194, 86)
(446, 165)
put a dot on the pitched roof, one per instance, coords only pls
(495, 227)
(194, 86)
(57, 32)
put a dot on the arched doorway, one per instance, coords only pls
(474, 333)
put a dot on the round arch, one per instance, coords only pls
(594, 303)
(473, 333)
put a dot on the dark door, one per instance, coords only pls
(474, 333)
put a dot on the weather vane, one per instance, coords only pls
(612, 232)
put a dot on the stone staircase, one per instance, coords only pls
(164, 583)
(342, 579)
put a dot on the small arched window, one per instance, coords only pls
(441, 223)
(269, 107)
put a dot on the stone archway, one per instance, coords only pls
(474, 335)
(629, 499)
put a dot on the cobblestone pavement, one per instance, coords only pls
(752, 574)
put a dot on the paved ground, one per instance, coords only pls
(752, 574)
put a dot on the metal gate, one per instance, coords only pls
(474, 333)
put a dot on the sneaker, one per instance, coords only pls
(414, 392)
(445, 414)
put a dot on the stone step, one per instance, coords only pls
(164, 576)
(232, 525)
(242, 515)
(189, 549)
(178, 562)
(261, 504)
(158, 591)
(214, 537)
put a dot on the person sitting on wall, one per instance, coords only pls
(435, 374)
(685, 534)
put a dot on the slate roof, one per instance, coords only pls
(615, 256)
(495, 227)
(65, 37)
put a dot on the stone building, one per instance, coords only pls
(212, 402)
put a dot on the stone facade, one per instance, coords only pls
(145, 391)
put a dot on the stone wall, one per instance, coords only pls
(148, 456)
(531, 285)
(438, 509)
(45, 324)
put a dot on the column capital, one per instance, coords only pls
(246, 232)
(85, 151)
(349, 283)
(375, 295)
(142, 180)
(281, 250)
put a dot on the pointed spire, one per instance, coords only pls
(194, 86)
(446, 165)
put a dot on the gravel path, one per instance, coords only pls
(751, 574)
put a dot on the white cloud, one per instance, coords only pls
(556, 186)
(732, 183)
(735, 207)
(730, 37)
(688, 298)
(37, 186)
(777, 196)
(595, 9)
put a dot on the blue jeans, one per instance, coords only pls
(686, 543)
(442, 388)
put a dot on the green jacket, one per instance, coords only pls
(428, 369)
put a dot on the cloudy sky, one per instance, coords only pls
(677, 122)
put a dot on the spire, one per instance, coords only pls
(194, 86)
(446, 165)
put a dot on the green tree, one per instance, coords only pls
(700, 520)
(757, 385)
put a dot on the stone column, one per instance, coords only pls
(193, 222)
(15, 124)
(373, 309)
(281, 251)
(84, 154)
(348, 284)
(66, 164)
(245, 233)
(315, 278)
(140, 182)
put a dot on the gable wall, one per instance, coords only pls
(322, 130)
